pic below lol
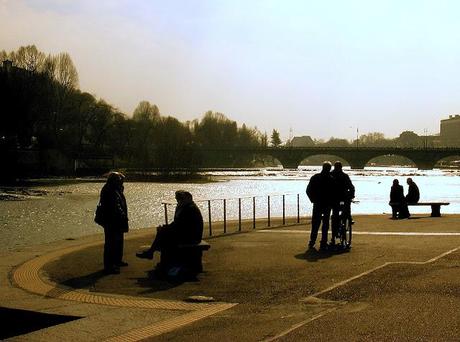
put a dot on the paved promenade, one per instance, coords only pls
(400, 281)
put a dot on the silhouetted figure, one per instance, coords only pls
(413, 194)
(398, 201)
(186, 228)
(343, 191)
(115, 222)
(319, 191)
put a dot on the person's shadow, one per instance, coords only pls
(156, 281)
(86, 281)
(313, 255)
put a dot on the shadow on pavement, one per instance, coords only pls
(154, 282)
(86, 281)
(313, 255)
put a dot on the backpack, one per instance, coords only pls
(99, 215)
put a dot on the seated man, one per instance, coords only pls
(413, 194)
(187, 228)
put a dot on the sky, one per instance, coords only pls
(319, 68)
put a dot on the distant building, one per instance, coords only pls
(450, 131)
(304, 141)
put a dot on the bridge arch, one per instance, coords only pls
(391, 159)
(357, 158)
(452, 160)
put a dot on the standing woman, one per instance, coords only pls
(115, 222)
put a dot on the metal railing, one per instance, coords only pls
(258, 210)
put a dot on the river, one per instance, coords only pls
(66, 211)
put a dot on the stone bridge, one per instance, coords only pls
(357, 157)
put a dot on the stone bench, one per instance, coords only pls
(187, 257)
(435, 206)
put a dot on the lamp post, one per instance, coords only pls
(425, 140)
(357, 136)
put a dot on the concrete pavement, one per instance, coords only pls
(400, 284)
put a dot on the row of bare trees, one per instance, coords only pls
(43, 108)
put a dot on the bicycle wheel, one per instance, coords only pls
(345, 232)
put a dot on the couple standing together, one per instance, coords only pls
(399, 202)
(326, 190)
(187, 227)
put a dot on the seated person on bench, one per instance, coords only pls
(187, 227)
(413, 194)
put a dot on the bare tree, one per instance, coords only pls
(49, 66)
(29, 58)
(3, 55)
(66, 73)
(146, 111)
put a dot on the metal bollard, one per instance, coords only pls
(239, 214)
(284, 210)
(225, 215)
(166, 212)
(253, 213)
(268, 210)
(209, 217)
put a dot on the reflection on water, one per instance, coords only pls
(68, 209)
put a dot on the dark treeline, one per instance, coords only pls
(43, 109)
(49, 126)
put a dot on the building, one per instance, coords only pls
(450, 131)
(303, 141)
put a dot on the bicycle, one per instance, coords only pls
(345, 230)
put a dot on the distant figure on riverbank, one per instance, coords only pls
(319, 191)
(186, 228)
(413, 194)
(398, 201)
(343, 191)
(114, 222)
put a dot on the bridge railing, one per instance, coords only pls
(236, 214)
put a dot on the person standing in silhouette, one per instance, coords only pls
(319, 191)
(413, 194)
(115, 223)
(343, 191)
(398, 201)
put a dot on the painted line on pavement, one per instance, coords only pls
(292, 231)
(346, 281)
(300, 324)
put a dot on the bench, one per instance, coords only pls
(188, 257)
(435, 206)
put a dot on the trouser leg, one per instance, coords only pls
(404, 213)
(315, 223)
(335, 222)
(326, 213)
(109, 248)
(163, 239)
(118, 250)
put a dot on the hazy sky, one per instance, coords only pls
(320, 68)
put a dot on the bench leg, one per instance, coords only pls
(193, 261)
(435, 210)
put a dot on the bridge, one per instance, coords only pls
(357, 157)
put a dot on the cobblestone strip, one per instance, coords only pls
(170, 324)
(27, 276)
